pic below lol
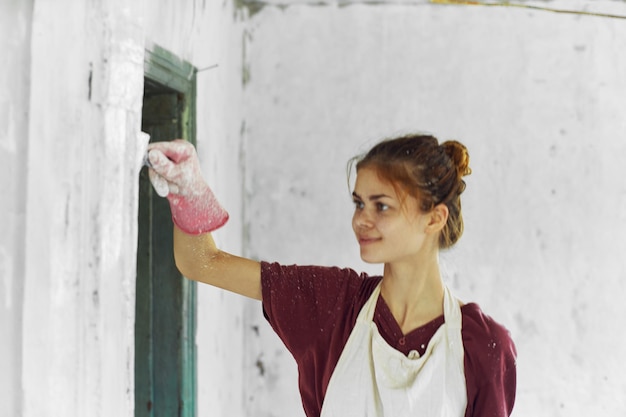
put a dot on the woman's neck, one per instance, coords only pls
(413, 291)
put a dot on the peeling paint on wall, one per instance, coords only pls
(246, 9)
(344, 77)
(245, 69)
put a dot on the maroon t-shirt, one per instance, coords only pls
(313, 310)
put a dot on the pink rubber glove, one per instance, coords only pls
(175, 173)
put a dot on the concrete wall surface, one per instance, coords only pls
(15, 32)
(299, 88)
(71, 113)
(536, 96)
(81, 204)
(208, 34)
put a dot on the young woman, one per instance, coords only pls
(397, 345)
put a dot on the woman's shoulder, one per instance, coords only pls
(303, 303)
(490, 363)
(335, 286)
(477, 320)
(489, 347)
(483, 331)
(310, 270)
(315, 274)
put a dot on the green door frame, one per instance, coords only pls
(165, 324)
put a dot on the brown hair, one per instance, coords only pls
(426, 170)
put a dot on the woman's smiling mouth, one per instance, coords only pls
(365, 240)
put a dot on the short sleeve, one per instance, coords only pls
(490, 365)
(305, 303)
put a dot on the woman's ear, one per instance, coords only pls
(438, 218)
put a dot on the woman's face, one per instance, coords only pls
(389, 227)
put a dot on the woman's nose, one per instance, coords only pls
(362, 219)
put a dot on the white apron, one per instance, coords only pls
(373, 379)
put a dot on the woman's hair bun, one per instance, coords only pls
(459, 156)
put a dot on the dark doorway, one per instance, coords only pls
(165, 377)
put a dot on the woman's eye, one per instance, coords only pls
(382, 207)
(358, 204)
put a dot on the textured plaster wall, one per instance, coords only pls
(15, 25)
(208, 34)
(536, 96)
(70, 113)
(81, 207)
(538, 99)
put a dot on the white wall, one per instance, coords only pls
(538, 99)
(207, 34)
(15, 30)
(81, 207)
(535, 95)
(70, 114)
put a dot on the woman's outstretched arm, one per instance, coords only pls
(198, 258)
(175, 174)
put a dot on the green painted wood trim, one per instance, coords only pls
(166, 69)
